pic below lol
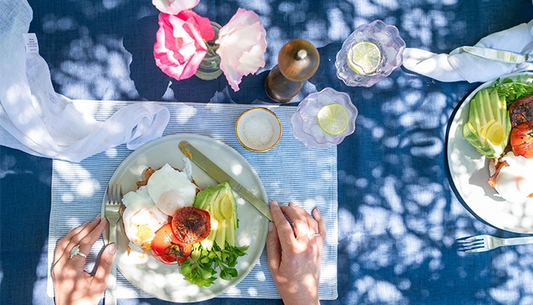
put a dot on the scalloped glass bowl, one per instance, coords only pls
(387, 38)
(305, 123)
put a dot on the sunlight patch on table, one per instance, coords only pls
(375, 291)
(185, 114)
(338, 29)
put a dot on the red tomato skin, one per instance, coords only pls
(521, 140)
(167, 249)
(191, 225)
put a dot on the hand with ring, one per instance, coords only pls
(72, 284)
(294, 252)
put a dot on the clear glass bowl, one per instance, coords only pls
(305, 123)
(391, 45)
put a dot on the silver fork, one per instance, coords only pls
(481, 243)
(112, 213)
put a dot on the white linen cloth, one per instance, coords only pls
(37, 120)
(460, 66)
(78, 188)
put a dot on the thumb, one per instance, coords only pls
(273, 248)
(104, 267)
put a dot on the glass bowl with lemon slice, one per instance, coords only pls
(369, 54)
(324, 118)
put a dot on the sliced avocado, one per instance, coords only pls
(488, 125)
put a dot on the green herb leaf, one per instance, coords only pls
(512, 89)
(207, 264)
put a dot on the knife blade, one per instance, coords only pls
(499, 55)
(221, 176)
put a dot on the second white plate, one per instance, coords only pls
(469, 173)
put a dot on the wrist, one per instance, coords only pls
(294, 300)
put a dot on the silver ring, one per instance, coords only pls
(76, 251)
(314, 235)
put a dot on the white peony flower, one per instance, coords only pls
(242, 43)
(173, 7)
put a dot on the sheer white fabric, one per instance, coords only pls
(37, 120)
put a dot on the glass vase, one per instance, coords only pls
(209, 68)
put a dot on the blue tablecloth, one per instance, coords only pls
(398, 216)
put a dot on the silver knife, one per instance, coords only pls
(221, 176)
(499, 55)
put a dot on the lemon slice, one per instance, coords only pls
(364, 57)
(333, 118)
(492, 131)
(226, 207)
(495, 133)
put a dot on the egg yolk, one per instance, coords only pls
(144, 233)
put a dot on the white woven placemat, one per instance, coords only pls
(289, 172)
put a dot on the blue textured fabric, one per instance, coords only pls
(398, 216)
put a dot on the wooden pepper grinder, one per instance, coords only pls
(298, 60)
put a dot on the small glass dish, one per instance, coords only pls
(258, 129)
(305, 122)
(387, 38)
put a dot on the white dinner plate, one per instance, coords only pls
(165, 281)
(469, 173)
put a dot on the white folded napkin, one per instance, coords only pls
(37, 120)
(460, 66)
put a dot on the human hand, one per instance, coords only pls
(294, 252)
(72, 284)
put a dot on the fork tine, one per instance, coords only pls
(466, 240)
(475, 249)
(120, 195)
(471, 246)
(115, 195)
(109, 197)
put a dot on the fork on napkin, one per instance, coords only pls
(460, 65)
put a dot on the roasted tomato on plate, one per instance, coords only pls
(191, 225)
(521, 138)
(167, 249)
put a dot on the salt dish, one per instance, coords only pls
(258, 129)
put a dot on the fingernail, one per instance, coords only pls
(270, 226)
(274, 202)
(111, 248)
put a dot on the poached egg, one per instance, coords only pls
(141, 218)
(171, 190)
(515, 182)
(149, 207)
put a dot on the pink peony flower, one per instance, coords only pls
(242, 43)
(173, 7)
(180, 46)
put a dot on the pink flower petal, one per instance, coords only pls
(242, 44)
(179, 47)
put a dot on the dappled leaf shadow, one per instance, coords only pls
(142, 66)
(398, 215)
